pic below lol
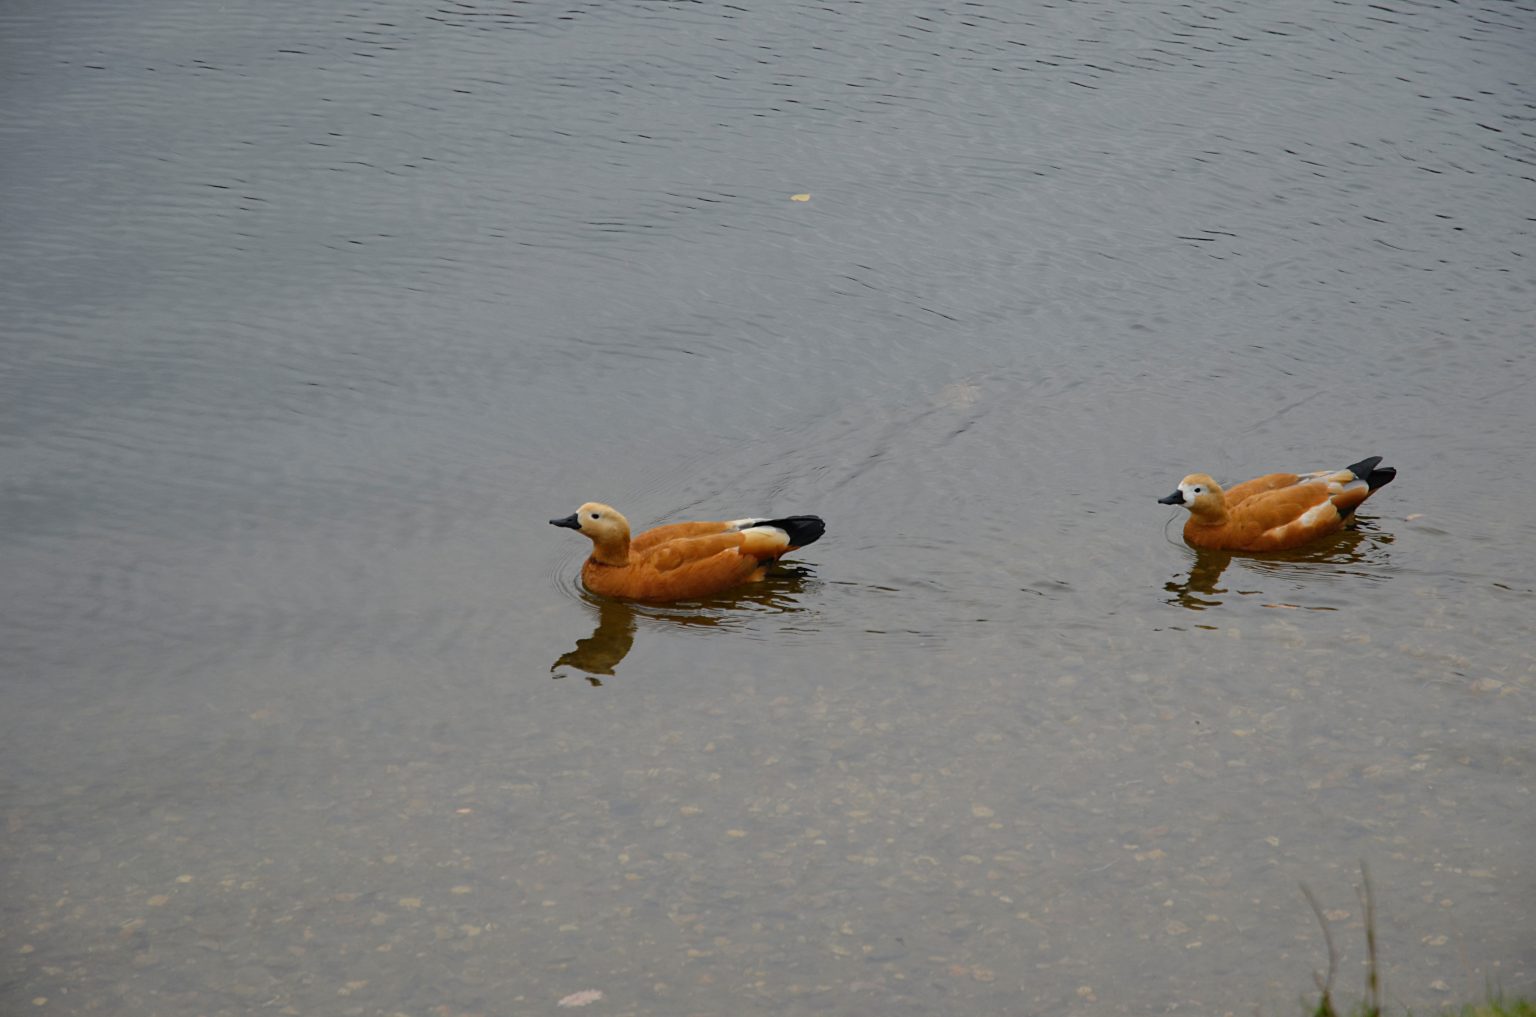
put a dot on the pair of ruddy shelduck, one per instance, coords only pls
(687, 561)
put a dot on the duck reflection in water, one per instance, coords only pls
(1358, 552)
(609, 643)
(1195, 591)
(600, 654)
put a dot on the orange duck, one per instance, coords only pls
(1278, 511)
(682, 561)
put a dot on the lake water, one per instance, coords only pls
(314, 315)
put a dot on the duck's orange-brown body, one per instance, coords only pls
(682, 561)
(1278, 511)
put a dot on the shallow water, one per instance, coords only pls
(313, 319)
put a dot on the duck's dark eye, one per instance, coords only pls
(596, 516)
(1199, 489)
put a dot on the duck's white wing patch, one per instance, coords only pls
(1317, 514)
(742, 524)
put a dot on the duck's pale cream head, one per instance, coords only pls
(605, 526)
(1196, 492)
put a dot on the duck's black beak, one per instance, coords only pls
(1176, 498)
(569, 522)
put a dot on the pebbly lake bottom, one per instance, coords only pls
(737, 825)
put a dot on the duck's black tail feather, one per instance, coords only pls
(1366, 470)
(802, 530)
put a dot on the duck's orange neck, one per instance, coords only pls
(1209, 512)
(614, 552)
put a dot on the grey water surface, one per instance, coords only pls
(313, 314)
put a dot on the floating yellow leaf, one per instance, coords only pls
(799, 197)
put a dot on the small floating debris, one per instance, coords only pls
(583, 998)
(799, 197)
